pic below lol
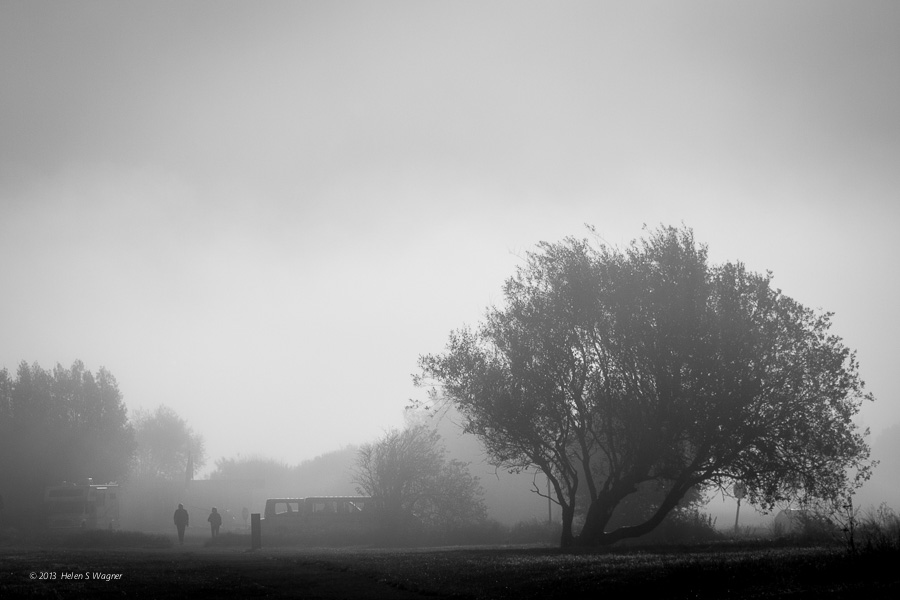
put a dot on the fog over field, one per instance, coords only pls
(262, 214)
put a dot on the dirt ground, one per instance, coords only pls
(477, 573)
(183, 571)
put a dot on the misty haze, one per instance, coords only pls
(566, 292)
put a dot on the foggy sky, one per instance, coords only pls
(261, 214)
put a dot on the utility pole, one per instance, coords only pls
(549, 504)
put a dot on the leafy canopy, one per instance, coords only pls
(409, 470)
(608, 369)
(165, 442)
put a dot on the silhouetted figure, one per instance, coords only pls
(181, 522)
(215, 521)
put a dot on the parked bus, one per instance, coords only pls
(323, 518)
(86, 506)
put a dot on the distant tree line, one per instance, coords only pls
(71, 425)
(59, 425)
(326, 475)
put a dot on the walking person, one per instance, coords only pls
(215, 521)
(181, 522)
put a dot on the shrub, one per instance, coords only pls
(535, 531)
(683, 526)
(806, 527)
(879, 530)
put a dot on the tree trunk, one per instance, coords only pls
(568, 515)
(593, 533)
(595, 521)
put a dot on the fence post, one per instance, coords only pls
(255, 532)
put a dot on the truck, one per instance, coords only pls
(325, 519)
(82, 506)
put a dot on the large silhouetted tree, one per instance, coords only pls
(609, 369)
(59, 425)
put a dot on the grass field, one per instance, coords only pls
(151, 567)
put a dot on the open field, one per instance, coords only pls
(196, 571)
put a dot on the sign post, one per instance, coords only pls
(740, 490)
(255, 532)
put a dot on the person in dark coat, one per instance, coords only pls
(181, 522)
(215, 521)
